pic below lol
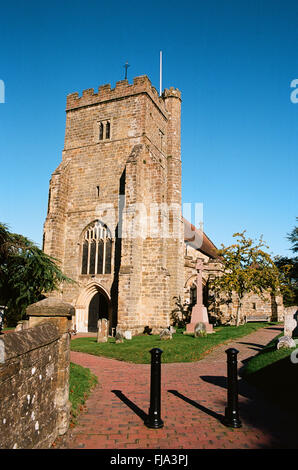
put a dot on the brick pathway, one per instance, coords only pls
(193, 401)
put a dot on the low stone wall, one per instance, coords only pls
(34, 378)
(28, 379)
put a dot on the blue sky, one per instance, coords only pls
(233, 62)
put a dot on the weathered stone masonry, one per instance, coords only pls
(34, 378)
(140, 161)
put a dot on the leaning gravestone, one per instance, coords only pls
(165, 334)
(286, 342)
(200, 330)
(102, 330)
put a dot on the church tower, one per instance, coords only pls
(114, 217)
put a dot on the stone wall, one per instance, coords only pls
(34, 378)
(108, 179)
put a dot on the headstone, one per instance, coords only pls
(286, 342)
(127, 334)
(102, 330)
(200, 330)
(119, 337)
(289, 324)
(165, 334)
(172, 330)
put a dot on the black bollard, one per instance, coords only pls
(231, 413)
(154, 420)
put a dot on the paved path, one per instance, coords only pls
(193, 402)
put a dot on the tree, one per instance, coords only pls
(288, 268)
(26, 274)
(246, 268)
(293, 237)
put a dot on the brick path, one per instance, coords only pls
(193, 401)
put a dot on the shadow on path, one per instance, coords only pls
(253, 346)
(138, 411)
(221, 381)
(197, 405)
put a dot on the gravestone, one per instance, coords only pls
(286, 342)
(289, 324)
(165, 334)
(127, 334)
(102, 330)
(119, 336)
(200, 330)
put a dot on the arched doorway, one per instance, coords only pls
(98, 308)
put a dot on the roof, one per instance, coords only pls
(198, 239)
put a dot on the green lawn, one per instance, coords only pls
(81, 381)
(182, 348)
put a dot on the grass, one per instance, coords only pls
(273, 372)
(182, 348)
(81, 382)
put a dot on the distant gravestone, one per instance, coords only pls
(289, 324)
(119, 337)
(200, 330)
(127, 334)
(102, 330)
(286, 342)
(165, 334)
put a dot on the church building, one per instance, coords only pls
(114, 220)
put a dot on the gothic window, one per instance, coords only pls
(97, 250)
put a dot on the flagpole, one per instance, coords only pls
(160, 73)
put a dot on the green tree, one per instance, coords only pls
(26, 274)
(246, 267)
(288, 268)
(293, 237)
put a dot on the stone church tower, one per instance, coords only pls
(114, 214)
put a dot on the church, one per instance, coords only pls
(114, 219)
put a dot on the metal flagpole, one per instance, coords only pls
(160, 73)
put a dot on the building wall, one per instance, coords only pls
(139, 166)
(28, 383)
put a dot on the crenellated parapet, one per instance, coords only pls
(122, 89)
(171, 93)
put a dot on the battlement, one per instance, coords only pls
(122, 89)
(171, 93)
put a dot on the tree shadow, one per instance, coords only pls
(138, 411)
(221, 381)
(197, 405)
(263, 412)
(258, 346)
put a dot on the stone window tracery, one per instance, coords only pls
(97, 249)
